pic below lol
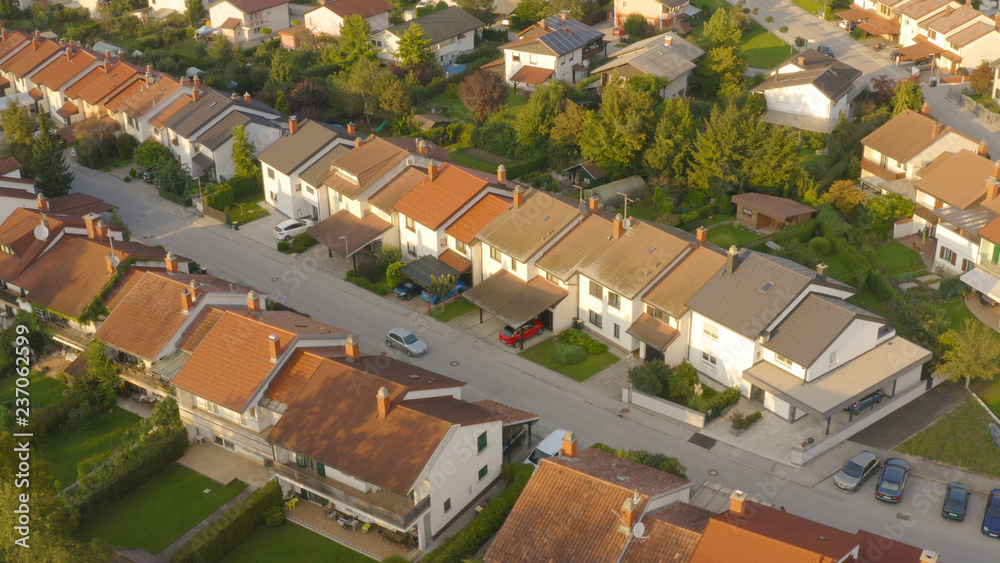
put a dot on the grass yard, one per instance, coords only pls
(247, 210)
(291, 542)
(472, 158)
(158, 512)
(452, 310)
(378, 288)
(866, 300)
(455, 110)
(956, 310)
(896, 259)
(763, 49)
(810, 6)
(541, 354)
(728, 235)
(644, 209)
(989, 392)
(67, 448)
(960, 438)
(43, 391)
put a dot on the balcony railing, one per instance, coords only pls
(987, 264)
(245, 437)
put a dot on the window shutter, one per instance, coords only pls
(942, 252)
(953, 256)
(321, 469)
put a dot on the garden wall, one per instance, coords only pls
(905, 228)
(664, 407)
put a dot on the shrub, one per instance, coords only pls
(150, 153)
(126, 145)
(568, 354)
(193, 266)
(82, 416)
(132, 173)
(284, 246)
(471, 539)
(649, 377)
(722, 401)
(219, 196)
(228, 530)
(127, 179)
(577, 337)
(820, 246)
(302, 242)
(657, 461)
(681, 382)
(274, 516)
(389, 254)
(740, 420)
(951, 286)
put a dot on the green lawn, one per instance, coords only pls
(989, 392)
(42, 391)
(644, 209)
(473, 158)
(158, 512)
(810, 6)
(728, 235)
(290, 542)
(378, 288)
(67, 448)
(896, 259)
(868, 301)
(763, 49)
(541, 354)
(452, 310)
(960, 438)
(247, 210)
(455, 110)
(956, 310)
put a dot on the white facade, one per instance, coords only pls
(185, 149)
(252, 25)
(955, 253)
(562, 65)
(294, 197)
(910, 28)
(805, 99)
(444, 51)
(613, 321)
(325, 22)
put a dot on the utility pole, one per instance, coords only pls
(625, 211)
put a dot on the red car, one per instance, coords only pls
(510, 336)
(618, 31)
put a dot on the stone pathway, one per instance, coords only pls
(611, 379)
(169, 551)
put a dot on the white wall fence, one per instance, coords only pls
(663, 407)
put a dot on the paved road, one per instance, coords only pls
(495, 374)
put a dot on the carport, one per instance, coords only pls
(421, 270)
(919, 51)
(346, 234)
(513, 301)
(517, 424)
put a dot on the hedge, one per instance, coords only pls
(464, 544)
(577, 337)
(519, 169)
(219, 196)
(178, 199)
(51, 419)
(569, 354)
(722, 401)
(231, 528)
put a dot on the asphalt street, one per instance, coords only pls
(507, 379)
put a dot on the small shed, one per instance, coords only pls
(585, 174)
(634, 187)
(762, 212)
(428, 121)
(292, 37)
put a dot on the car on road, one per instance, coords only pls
(424, 4)
(892, 480)
(956, 501)
(825, 50)
(548, 447)
(72, 153)
(458, 289)
(857, 406)
(287, 229)
(406, 290)
(405, 341)
(511, 336)
(856, 471)
(991, 519)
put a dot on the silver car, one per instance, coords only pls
(287, 229)
(405, 341)
(854, 473)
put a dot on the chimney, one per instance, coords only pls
(432, 170)
(984, 148)
(43, 203)
(928, 556)
(149, 69)
(382, 402)
(107, 61)
(518, 197)
(992, 188)
(926, 108)
(171, 262)
(668, 40)
(702, 234)
(186, 302)
(947, 10)
(821, 271)
(630, 512)
(196, 289)
(101, 230)
(352, 129)
(274, 347)
(731, 261)
(594, 204)
(422, 147)
(38, 34)
(563, 15)
(109, 261)
(246, 98)
(195, 92)
(937, 129)
(90, 220)
(62, 42)
(352, 348)
(293, 125)
(69, 55)
(34, 42)
(501, 174)
(996, 170)
(617, 228)
(543, 25)
(253, 302)
(569, 445)
(996, 19)
(149, 78)
(801, 61)
(736, 502)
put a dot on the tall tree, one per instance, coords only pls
(244, 150)
(221, 49)
(18, 129)
(54, 176)
(719, 153)
(414, 47)
(482, 10)
(355, 42)
(974, 353)
(281, 71)
(195, 12)
(908, 95)
(531, 11)
(720, 71)
(564, 136)
(614, 138)
(672, 140)
(395, 101)
(721, 30)
(534, 121)
(484, 93)
(844, 196)
(773, 164)
(888, 207)
(982, 78)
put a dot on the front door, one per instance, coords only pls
(652, 354)
(756, 393)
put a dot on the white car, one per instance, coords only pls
(424, 3)
(285, 230)
(548, 447)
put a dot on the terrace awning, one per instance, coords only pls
(918, 51)
(653, 332)
(421, 270)
(345, 234)
(510, 299)
(456, 261)
(854, 14)
(531, 75)
(983, 282)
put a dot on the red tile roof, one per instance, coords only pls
(30, 57)
(8, 165)
(508, 414)
(60, 71)
(104, 86)
(433, 202)
(293, 376)
(74, 89)
(199, 328)
(880, 549)
(672, 534)
(17, 234)
(142, 102)
(130, 89)
(467, 226)
(14, 41)
(363, 8)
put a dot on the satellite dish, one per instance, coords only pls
(627, 223)
(583, 208)
(41, 232)
(638, 530)
(115, 261)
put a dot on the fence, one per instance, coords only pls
(213, 213)
(664, 407)
(990, 118)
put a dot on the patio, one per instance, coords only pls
(371, 543)
(224, 466)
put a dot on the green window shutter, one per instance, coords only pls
(996, 253)
(321, 469)
(482, 441)
(305, 494)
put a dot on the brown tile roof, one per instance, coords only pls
(880, 549)
(433, 202)
(141, 102)
(455, 411)
(298, 324)
(969, 34)
(456, 261)
(633, 261)
(673, 533)
(680, 284)
(200, 327)
(232, 361)
(67, 109)
(508, 414)
(62, 70)
(311, 175)
(991, 231)
(292, 151)
(126, 282)
(764, 534)
(411, 145)
(813, 326)
(945, 22)
(293, 376)
(906, 135)
(17, 233)
(590, 237)
(957, 179)
(478, 216)
(780, 208)
(15, 40)
(398, 187)
(130, 89)
(531, 75)
(522, 232)
(30, 57)
(920, 8)
(567, 512)
(367, 163)
(359, 232)
(251, 6)
(74, 89)
(364, 8)
(342, 430)
(104, 86)
(175, 106)
(75, 205)
(231, 23)
(8, 165)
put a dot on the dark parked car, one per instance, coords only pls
(825, 50)
(459, 289)
(406, 290)
(149, 177)
(991, 520)
(865, 402)
(856, 471)
(510, 336)
(956, 501)
(892, 481)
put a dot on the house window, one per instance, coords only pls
(931, 34)
(654, 312)
(618, 331)
(481, 442)
(783, 360)
(571, 55)
(883, 160)
(447, 505)
(624, 4)
(533, 59)
(311, 190)
(551, 278)
(596, 319)
(833, 357)
(411, 249)
(494, 254)
(948, 255)
(747, 212)
(516, 57)
(614, 300)
(460, 246)
(709, 360)
(305, 461)
(513, 264)
(298, 186)
(484, 472)
(596, 290)
(339, 197)
(270, 173)
(410, 225)
(967, 265)
(710, 331)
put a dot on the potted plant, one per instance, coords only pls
(741, 422)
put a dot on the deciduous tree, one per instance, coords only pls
(564, 135)
(883, 87)
(414, 47)
(534, 121)
(484, 93)
(908, 95)
(982, 78)
(888, 207)
(721, 30)
(635, 26)
(531, 11)
(482, 10)
(614, 137)
(18, 128)
(440, 287)
(150, 153)
(195, 12)
(974, 353)
(844, 196)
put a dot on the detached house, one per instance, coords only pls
(555, 48)
(450, 32)
(659, 14)
(244, 21)
(666, 56)
(955, 35)
(329, 18)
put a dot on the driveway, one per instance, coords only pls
(913, 417)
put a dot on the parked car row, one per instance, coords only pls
(892, 482)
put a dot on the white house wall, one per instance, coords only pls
(611, 317)
(811, 288)
(804, 99)
(454, 474)
(733, 353)
(962, 247)
(985, 48)
(859, 337)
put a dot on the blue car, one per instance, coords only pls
(406, 290)
(991, 520)
(892, 481)
(956, 501)
(458, 289)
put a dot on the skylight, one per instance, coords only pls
(767, 287)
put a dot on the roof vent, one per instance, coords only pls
(822, 537)
(622, 478)
(213, 104)
(767, 287)
(546, 218)
(651, 250)
(414, 376)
